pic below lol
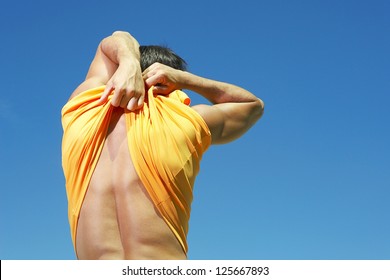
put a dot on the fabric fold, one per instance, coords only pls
(166, 140)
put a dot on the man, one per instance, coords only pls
(132, 146)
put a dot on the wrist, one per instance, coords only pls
(128, 53)
(129, 66)
(190, 81)
(128, 59)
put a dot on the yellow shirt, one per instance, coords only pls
(166, 140)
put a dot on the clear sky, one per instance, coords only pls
(310, 180)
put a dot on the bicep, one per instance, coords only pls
(229, 121)
(214, 120)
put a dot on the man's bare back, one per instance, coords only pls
(118, 219)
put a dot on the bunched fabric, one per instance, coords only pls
(166, 140)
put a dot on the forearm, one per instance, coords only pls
(234, 109)
(216, 92)
(120, 71)
(121, 47)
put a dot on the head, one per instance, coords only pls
(163, 55)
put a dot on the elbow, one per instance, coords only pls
(116, 34)
(255, 112)
(261, 106)
(258, 109)
(120, 33)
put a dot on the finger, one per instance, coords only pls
(105, 94)
(150, 69)
(154, 80)
(116, 97)
(124, 102)
(141, 101)
(132, 104)
(147, 73)
(127, 96)
(160, 89)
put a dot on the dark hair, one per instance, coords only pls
(163, 55)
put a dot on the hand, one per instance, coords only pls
(127, 85)
(165, 79)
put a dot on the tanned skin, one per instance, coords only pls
(118, 219)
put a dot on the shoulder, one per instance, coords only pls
(87, 85)
(213, 117)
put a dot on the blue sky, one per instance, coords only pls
(310, 181)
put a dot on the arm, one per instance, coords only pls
(116, 65)
(234, 109)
